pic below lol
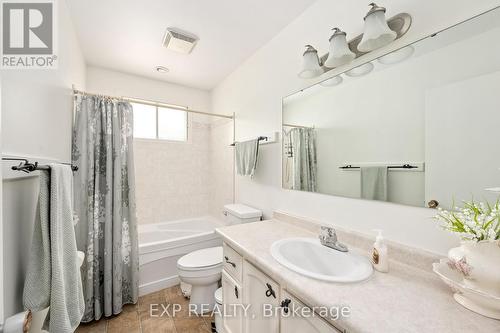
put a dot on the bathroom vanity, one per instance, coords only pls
(243, 283)
(397, 301)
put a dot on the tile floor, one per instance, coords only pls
(137, 319)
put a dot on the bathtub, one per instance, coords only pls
(162, 244)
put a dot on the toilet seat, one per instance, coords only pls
(205, 259)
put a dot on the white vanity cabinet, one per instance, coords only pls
(260, 291)
(244, 284)
(232, 298)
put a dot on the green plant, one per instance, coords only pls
(474, 221)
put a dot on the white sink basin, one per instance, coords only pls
(308, 257)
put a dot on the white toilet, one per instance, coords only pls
(202, 269)
(218, 314)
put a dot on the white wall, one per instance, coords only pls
(36, 121)
(108, 82)
(254, 92)
(450, 119)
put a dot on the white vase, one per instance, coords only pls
(479, 264)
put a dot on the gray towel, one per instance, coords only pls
(53, 276)
(374, 183)
(246, 157)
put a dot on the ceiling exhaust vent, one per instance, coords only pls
(179, 41)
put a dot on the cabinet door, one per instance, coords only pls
(262, 296)
(297, 324)
(231, 299)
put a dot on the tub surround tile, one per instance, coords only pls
(410, 298)
(185, 180)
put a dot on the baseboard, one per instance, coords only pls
(151, 287)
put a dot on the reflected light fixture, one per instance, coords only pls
(311, 66)
(397, 56)
(376, 32)
(333, 81)
(360, 70)
(340, 53)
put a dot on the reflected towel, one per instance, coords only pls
(53, 275)
(374, 183)
(246, 157)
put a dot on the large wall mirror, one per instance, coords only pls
(413, 126)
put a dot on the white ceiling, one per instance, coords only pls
(126, 35)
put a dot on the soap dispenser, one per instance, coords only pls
(379, 253)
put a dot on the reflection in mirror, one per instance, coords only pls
(416, 125)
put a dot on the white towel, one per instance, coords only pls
(53, 275)
(246, 154)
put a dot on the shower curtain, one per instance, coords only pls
(303, 151)
(105, 204)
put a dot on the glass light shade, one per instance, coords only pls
(376, 33)
(397, 56)
(360, 70)
(331, 82)
(339, 54)
(310, 64)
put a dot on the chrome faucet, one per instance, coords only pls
(328, 237)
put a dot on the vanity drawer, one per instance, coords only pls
(299, 324)
(232, 262)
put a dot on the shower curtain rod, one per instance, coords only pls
(153, 103)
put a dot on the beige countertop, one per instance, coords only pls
(407, 299)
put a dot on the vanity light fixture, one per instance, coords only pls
(360, 70)
(397, 56)
(377, 32)
(333, 81)
(311, 65)
(339, 54)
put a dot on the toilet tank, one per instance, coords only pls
(238, 213)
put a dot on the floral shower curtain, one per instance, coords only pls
(105, 204)
(303, 148)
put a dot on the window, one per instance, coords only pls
(151, 122)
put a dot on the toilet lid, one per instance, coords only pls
(218, 296)
(201, 258)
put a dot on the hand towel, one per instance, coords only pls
(374, 183)
(246, 157)
(53, 276)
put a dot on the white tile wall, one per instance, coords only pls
(178, 180)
